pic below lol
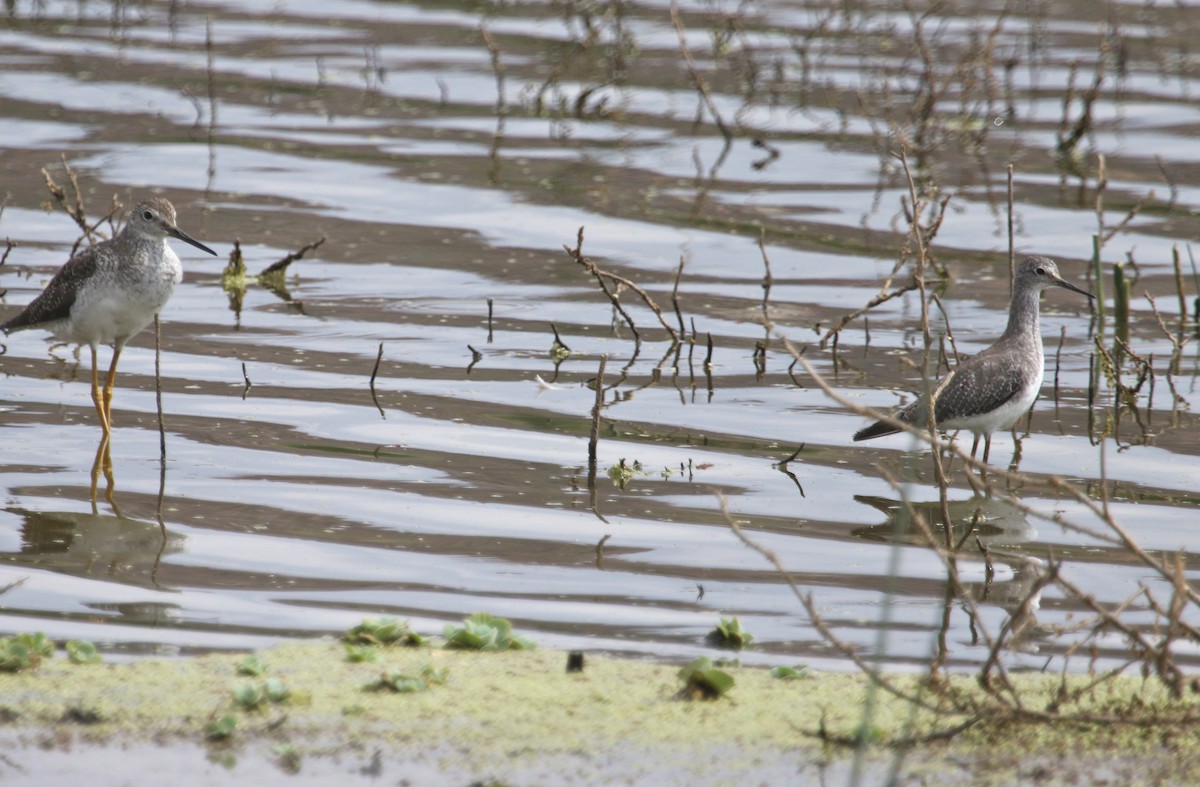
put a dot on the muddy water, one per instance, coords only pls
(447, 156)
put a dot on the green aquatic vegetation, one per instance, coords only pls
(253, 666)
(276, 690)
(360, 654)
(703, 681)
(221, 729)
(730, 634)
(288, 757)
(24, 651)
(403, 683)
(482, 631)
(82, 652)
(622, 472)
(791, 673)
(384, 631)
(250, 696)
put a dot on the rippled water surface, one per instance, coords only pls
(447, 153)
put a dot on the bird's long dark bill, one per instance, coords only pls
(183, 236)
(1070, 286)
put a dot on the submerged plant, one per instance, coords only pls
(703, 681)
(482, 631)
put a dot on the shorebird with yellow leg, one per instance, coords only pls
(993, 389)
(108, 293)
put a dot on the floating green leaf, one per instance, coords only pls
(222, 728)
(435, 675)
(399, 682)
(253, 666)
(275, 690)
(249, 695)
(703, 681)
(359, 654)
(81, 652)
(791, 673)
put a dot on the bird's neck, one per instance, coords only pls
(1023, 317)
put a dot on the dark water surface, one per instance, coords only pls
(297, 506)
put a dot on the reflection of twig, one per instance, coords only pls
(559, 345)
(767, 281)
(1068, 140)
(702, 88)
(697, 79)
(600, 551)
(501, 109)
(783, 468)
(374, 372)
(594, 439)
(594, 435)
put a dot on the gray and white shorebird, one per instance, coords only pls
(108, 293)
(991, 390)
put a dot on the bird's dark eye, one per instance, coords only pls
(147, 215)
(1041, 271)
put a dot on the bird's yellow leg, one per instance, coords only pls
(112, 380)
(97, 394)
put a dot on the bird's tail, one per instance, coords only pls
(877, 429)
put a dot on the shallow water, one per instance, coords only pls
(298, 504)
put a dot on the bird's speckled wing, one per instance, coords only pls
(980, 384)
(54, 302)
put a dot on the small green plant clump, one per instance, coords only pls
(730, 634)
(250, 696)
(222, 728)
(82, 652)
(24, 651)
(360, 654)
(384, 631)
(791, 673)
(622, 472)
(252, 666)
(402, 683)
(482, 631)
(703, 681)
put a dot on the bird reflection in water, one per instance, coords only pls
(983, 530)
